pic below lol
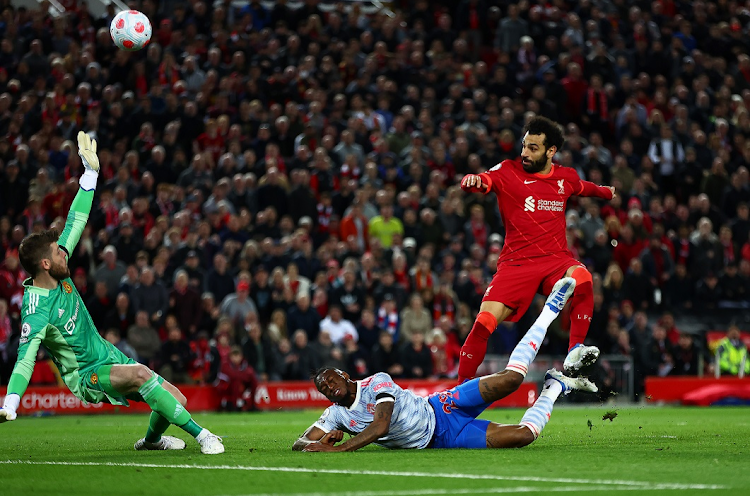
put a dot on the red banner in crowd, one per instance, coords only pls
(271, 396)
(676, 389)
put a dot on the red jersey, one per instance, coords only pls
(532, 207)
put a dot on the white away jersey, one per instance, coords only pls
(412, 422)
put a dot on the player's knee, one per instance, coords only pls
(525, 437)
(142, 374)
(583, 277)
(514, 379)
(181, 398)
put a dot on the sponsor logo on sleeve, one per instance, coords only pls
(382, 385)
(25, 333)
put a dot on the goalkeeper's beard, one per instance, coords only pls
(59, 271)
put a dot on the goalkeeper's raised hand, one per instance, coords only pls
(87, 152)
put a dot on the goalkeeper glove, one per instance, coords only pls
(87, 152)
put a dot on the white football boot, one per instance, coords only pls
(561, 292)
(211, 444)
(571, 383)
(165, 443)
(579, 357)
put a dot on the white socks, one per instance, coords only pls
(526, 350)
(538, 415)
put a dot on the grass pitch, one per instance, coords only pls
(642, 450)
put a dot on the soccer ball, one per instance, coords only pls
(130, 30)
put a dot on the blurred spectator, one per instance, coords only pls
(657, 261)
(218, 280)
(686, 356)
(386, 357)
(349, 296)
(144, 339)
(111, 270)
(238, 304)
(303, 316)
(336, 326)
(210, 314)
(99, 304)
(368, 331)
(204, 367)
(236, 383)
(388, 317)
(113, 336)
(277, 328)
(385, 226)
(151, 295)
(637, 286)
(414, 318)
(262, 293)
(356, 358)
(303, 359)
(258, 351)
(175, 358)
(658, 355)
(185, 303)
(121, 316)
(731, 353)
(12, 276)
(417, 357)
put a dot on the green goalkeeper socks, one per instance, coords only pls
(157, 425)
(162, 402)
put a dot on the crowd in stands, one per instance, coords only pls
(279, 187)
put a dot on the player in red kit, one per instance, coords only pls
(532, 193)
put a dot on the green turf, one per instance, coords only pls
(643, 450)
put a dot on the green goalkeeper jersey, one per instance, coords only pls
(59, 320)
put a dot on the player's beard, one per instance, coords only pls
(535, 165)
(59, 271)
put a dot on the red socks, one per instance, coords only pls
(581, 307)
(475, 347)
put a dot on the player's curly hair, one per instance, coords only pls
(34, 248)
(553, 134)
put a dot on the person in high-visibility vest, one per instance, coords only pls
(732, 353)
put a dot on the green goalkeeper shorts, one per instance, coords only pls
(96, 385)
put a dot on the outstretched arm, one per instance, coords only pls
(81, 207)
(33, 331)
(317, 435)
(476, 183)
(377, 429)
(590, 189)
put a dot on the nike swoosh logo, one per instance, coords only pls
(529, 182)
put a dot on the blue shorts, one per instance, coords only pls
(456, 412)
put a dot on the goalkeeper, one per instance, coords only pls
(53, 314)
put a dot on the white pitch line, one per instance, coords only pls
(491, 490)
(630, 483)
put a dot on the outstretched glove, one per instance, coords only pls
(87, 152)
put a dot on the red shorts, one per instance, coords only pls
(515, 284)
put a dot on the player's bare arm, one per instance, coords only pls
(377, 429)
(473, 183)
(315, 434)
